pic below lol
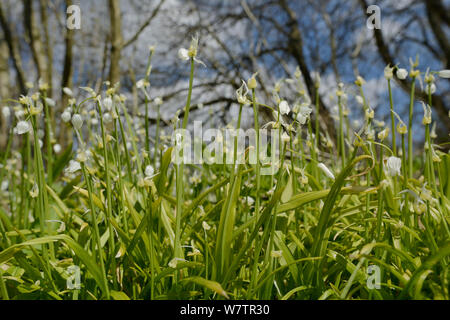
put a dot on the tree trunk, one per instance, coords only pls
(14, 53)
(64, 137)
(295, 47)
(116, 41)
(34, 39)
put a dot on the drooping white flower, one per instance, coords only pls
(430, 88)
(284, 107)
(304, 113)
(4, 185)
(393, 165)
(34, 192)
(68, 91)
(66, 116)
(149, 171)
(183, 54)
(50, 102)
(383, 134)
(325, 170)
(107, 118)
(249, 200)
(107, 103)
(73, 167)
(23, 127)
(57, 148)
(360, 100)
(444, 74)
(241, 94)
(158, 101)
(141, 84)
(388, 72)
(206, 226)
(77, 121)
(285, 138)
(402, 73)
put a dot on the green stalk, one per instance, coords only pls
(341, 133)
(147, 134)
(88, 180)
(108, 192)
(179, 172)
(48, 136)
(158, 120)
(258, 178)
(394, 146)
(410, 139)
(3, 286)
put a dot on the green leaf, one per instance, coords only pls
(212, 285)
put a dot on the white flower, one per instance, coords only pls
(142, 84)
(402, 73)
(107, 118)
(66, 116)
(158, 101)
(285, 137)
(68, 92)
(304, 113)
(383, 134)
(284, 107)
(249, 200)
(174, 262)
(149, 171)
(73, 167)
(241, 95)
(426, 114)
(6, 112)
(276, 254)
(430, 88)
(107, 103)
(34, 192)
(325, 170)
(206, 226)
(23, 127)
(388, 72)
(252, 83)
(50, 102)
(4, 185)
(444, 74)
(393, 166)
(360, 100)
(77, 121)
(183, 54)
(57, 148)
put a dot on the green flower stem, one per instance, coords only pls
(88, 180)
(157, 133)
(394, 146)
(341, 133)
(108, 193)
(48, 136)
(147, 133)
(258, 169)
(410, 139)
(180, 170)
(124, 142)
